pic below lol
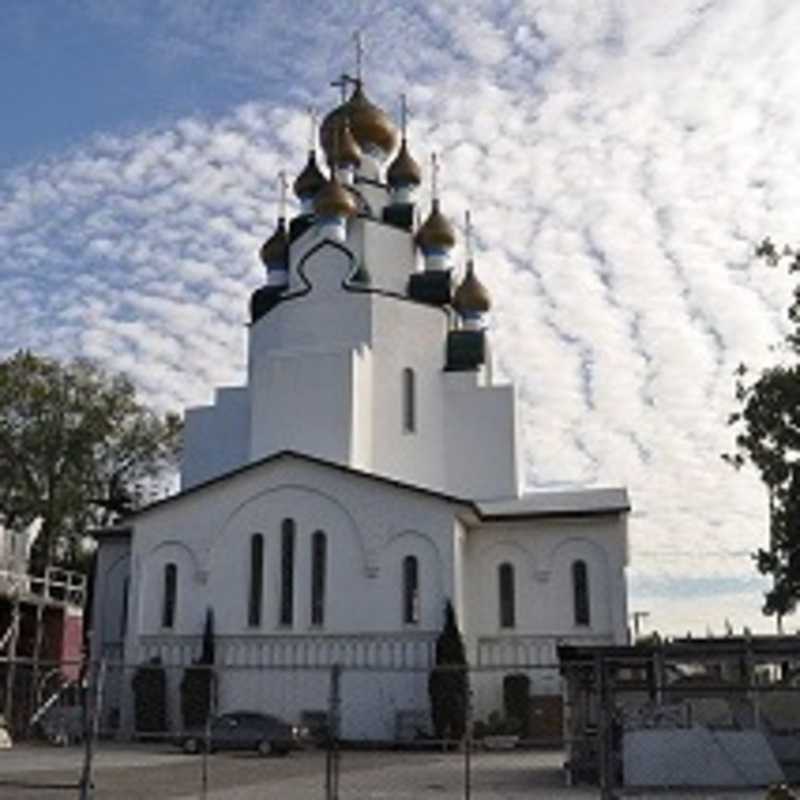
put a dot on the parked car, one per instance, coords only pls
(243, 730)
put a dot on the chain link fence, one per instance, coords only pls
(111, 729)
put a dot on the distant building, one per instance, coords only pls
(366, 473)
(41, 630)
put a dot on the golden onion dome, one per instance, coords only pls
(370, 125)
(344, 150)
(310, 180)
(403, 171)
(436, 232)
(274, 252)
(471, 296)
(333, 200)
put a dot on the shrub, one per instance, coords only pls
(196, 692)
(516, 700)
(150, 697)
(448, 684)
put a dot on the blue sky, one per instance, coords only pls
(620, 160)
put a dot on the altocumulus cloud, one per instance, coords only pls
(620, 162)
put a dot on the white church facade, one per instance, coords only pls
(366, 474)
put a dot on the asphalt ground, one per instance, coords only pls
(158, 772)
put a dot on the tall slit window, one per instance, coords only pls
(287, 572)
(505, 580)
(318, 565)
(123, 615)
(410, 590)
(170, 595)
(409, 401)
(580, 589)
(256, 595)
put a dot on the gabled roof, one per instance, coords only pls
(538, 504)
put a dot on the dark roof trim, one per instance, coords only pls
(576, 514)
(313, 460)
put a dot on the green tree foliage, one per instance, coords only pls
(78, 450)
(448, 683)
(768, 438)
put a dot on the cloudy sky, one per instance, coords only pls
(620, 158)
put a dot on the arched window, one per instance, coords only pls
(318, 565)
(505, 580)
(410, 590)
(409, 401)
(123, 614)
(255, 598)
(580, 589)
(287, 572)
(170, 596)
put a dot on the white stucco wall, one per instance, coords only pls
(112, 570)
(370, 526)
(481, 437)
(216, 437)
(542, 552)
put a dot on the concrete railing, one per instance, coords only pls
(510, 650)
(383, 651)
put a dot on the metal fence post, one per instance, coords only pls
(468, 748)
(332, 754)
(86, 785)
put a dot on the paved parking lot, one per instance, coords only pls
(160, 773)
(155, 772)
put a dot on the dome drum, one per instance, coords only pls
(400, 215)
(433, 287)
(466, 350)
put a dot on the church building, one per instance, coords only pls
(366, 474)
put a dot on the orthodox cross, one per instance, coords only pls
(283, 186)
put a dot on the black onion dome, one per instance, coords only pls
(310, 180)
(274, 252)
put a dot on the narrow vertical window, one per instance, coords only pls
(505, 578)
(256, 595)
(123, 614)
(287, 572)
(409, 401)
(318, 559)
(410, 590)
(170, 595)
(580, 588)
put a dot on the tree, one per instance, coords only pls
(197, 685)
(78, 450)
(768, 438)
(448, 684)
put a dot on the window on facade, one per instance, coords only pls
(505, 578)
(287, 572)
(409, 401)
(256, 595)
(123, 615)
(170, 595)
(318, 558)
(580, 589)
(410, 590)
